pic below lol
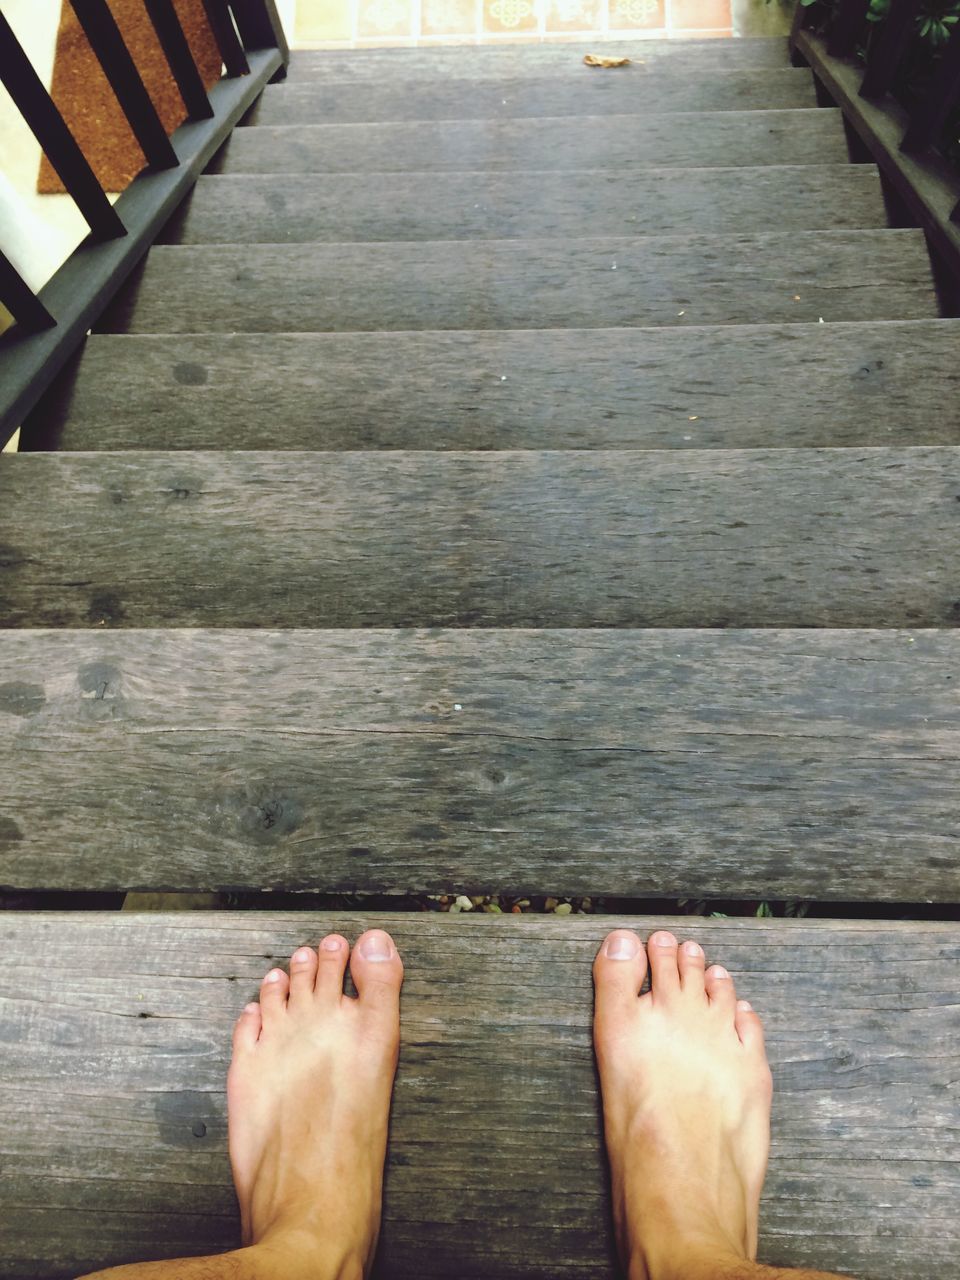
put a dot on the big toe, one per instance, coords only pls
(377, 972)
(618, 972)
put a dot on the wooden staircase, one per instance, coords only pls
(507, 477)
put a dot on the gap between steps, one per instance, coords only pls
(532, 904)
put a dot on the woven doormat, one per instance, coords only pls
(83, 94)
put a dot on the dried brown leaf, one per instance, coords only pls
(596, 60)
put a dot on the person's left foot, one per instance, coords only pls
(308, 1096)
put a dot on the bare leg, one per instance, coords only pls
(308, 1096)
(686, 1108)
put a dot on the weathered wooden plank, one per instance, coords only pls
(310, 208)
(740, 387)
(116, 1036)
(808, 764)
(732, 538)
(570, 142)
(531, 284)
(492, 62)
(633, 89)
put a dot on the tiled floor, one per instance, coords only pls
(365, 23)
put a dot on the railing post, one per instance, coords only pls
(20, 300)
(179, 57)
(260, 27)
(801, 16)
(846, 26)
(929, 118)
(231, 50)
(887, 48)
(56, 141)
(100, 28)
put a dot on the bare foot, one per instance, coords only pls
(686, 1105)
(308, 1102)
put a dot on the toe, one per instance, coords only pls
(303, 973)
(664, 974)
(247, 1028)
(720, 989)
(377, 974)
(691, 965)
(749, 1026)
(273, 996)
(334, 950)
(618, 972)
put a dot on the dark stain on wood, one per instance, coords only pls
(190, 374)
(185, 1116)
(20, 698)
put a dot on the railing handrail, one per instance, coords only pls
(51, 325)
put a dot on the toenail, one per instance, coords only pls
(376, 947)
(745, 1006)
(302, 956)
(330, 944)
(665, 940)
(274, 975)
(252, 1007)
(693, 948)
(718, 971)
(621, 946)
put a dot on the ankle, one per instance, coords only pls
(303, 1255)
(688, 1259)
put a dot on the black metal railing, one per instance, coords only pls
(49, 326)
(921, 185)
(888, 47)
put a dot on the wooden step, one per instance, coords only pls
(116, 1031)
(746, 764)
(631, 90)
(308, 208)
(483, 62)
(566, 142)
(764, 277)
(612, 538)
(740, 387)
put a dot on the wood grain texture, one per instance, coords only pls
(569, 142)
(740, 387)
(309, 208)
(764, 277)
(631, 90)
(780, 537)
(484, 62)
(807, 764)
(112, 1111)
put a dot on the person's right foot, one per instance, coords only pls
(686, 1105)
